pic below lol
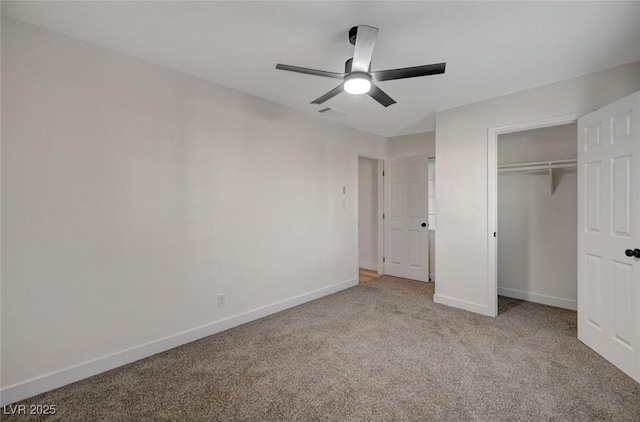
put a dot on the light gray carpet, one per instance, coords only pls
(379, 351)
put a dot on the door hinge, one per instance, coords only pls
(494, 234)
(383, 259)
(383, 216)
(382, 173)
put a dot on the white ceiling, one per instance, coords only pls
(491, 48)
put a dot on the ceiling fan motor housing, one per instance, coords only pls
(348, 63)
(358, 75)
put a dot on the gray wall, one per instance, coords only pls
(133, 195)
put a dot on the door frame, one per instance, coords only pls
(380, 161)
(492, 194)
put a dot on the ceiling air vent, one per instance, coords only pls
(331, 112)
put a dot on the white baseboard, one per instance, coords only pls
(368, 265)
(462, 304)
(432, 277)
(66, 376)
(538, 298)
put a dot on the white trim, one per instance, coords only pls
(66, 376)
(432, 277)
(492, 195)
(492, 221)
(380, 212)
(368, 265)
(478, 308)
(538, 298)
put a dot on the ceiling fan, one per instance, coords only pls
(358, 77)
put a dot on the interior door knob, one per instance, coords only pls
(424, 224)
(635, 253)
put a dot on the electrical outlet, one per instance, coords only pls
(222, 300)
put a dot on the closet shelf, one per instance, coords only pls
(541, 165)
(550, 166)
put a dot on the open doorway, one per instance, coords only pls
(370, 230)
(552, 178)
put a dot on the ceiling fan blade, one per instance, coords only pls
(409, 72)
(380, 96)
(310, 71)
(328, 95)
(365, 41)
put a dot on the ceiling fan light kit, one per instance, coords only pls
(357, 83)
(358, 76)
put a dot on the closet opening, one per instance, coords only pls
(537, 216)
(532, 211)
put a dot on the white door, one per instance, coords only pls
(609, 231)
(406, 232)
